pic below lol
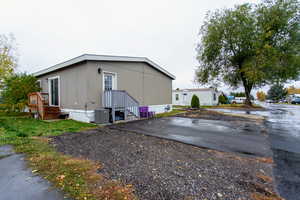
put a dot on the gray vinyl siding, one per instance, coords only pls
(81, 83)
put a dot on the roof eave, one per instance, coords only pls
(86, 57)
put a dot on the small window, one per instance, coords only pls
(215, 97)
(39, 83)
(177, 97)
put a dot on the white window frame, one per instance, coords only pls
(49, 90)
(40, 83)
(114, 83)
(177, 97)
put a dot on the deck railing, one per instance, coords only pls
(37, 101)
(120, 99)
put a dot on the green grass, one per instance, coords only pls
(171, 113)
(76, 177)
(232, 106)
(14, 125)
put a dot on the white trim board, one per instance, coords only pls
(80, 115)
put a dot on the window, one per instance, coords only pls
(39, 83)
(215, 97)
(177, 97)
(109, 81)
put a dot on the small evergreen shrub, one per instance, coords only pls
(223, 99)
(195, 103)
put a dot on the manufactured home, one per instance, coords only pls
(119, 84)
(207, 96)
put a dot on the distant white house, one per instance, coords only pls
(207, 96)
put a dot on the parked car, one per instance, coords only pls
(238, 100)
(270, 101)
(296, 100)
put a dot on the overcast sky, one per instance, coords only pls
(166, 31)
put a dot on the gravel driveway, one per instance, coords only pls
(161, 169)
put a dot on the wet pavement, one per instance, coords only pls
(236, 136)
(17, 182)
(284, 135)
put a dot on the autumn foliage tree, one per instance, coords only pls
(261, 96)
(251, 45)
(293, 90)
(8, 58)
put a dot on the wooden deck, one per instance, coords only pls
(39, 106)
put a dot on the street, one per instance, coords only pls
(284, 124)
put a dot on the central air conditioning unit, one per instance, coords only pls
(101, 116)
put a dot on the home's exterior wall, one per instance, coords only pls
(145, 84)
(73, 87)
(81, 84)
(206, 97)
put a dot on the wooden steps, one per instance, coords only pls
(39, 105)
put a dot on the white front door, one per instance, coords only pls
(110, 82)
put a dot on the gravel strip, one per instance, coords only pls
(162, 169)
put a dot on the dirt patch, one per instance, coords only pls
(161, 169)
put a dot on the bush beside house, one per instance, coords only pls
(15, 90)
(195, 103)
(223, 99)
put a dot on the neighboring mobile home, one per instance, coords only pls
(120, 84)
(207, 96)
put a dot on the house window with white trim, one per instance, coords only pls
(110, 81)
(177, 97)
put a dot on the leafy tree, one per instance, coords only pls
(251, 45)
(261, 96)
(223, 99)
(195, 103)
(7, 56)
(238, 94)
(277, 92)
(16, 88)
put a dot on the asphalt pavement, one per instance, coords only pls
(283, 125)
(236, 136)
(17, 182)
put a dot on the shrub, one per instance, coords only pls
(22, 135)
(223, 99)
(195, 103)
(15, 91)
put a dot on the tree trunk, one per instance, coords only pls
(248, 88)
(248, 97)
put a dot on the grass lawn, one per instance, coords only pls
(78, 178)
(171, 113)
(221, 106)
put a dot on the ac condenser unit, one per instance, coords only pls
(101, 116)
